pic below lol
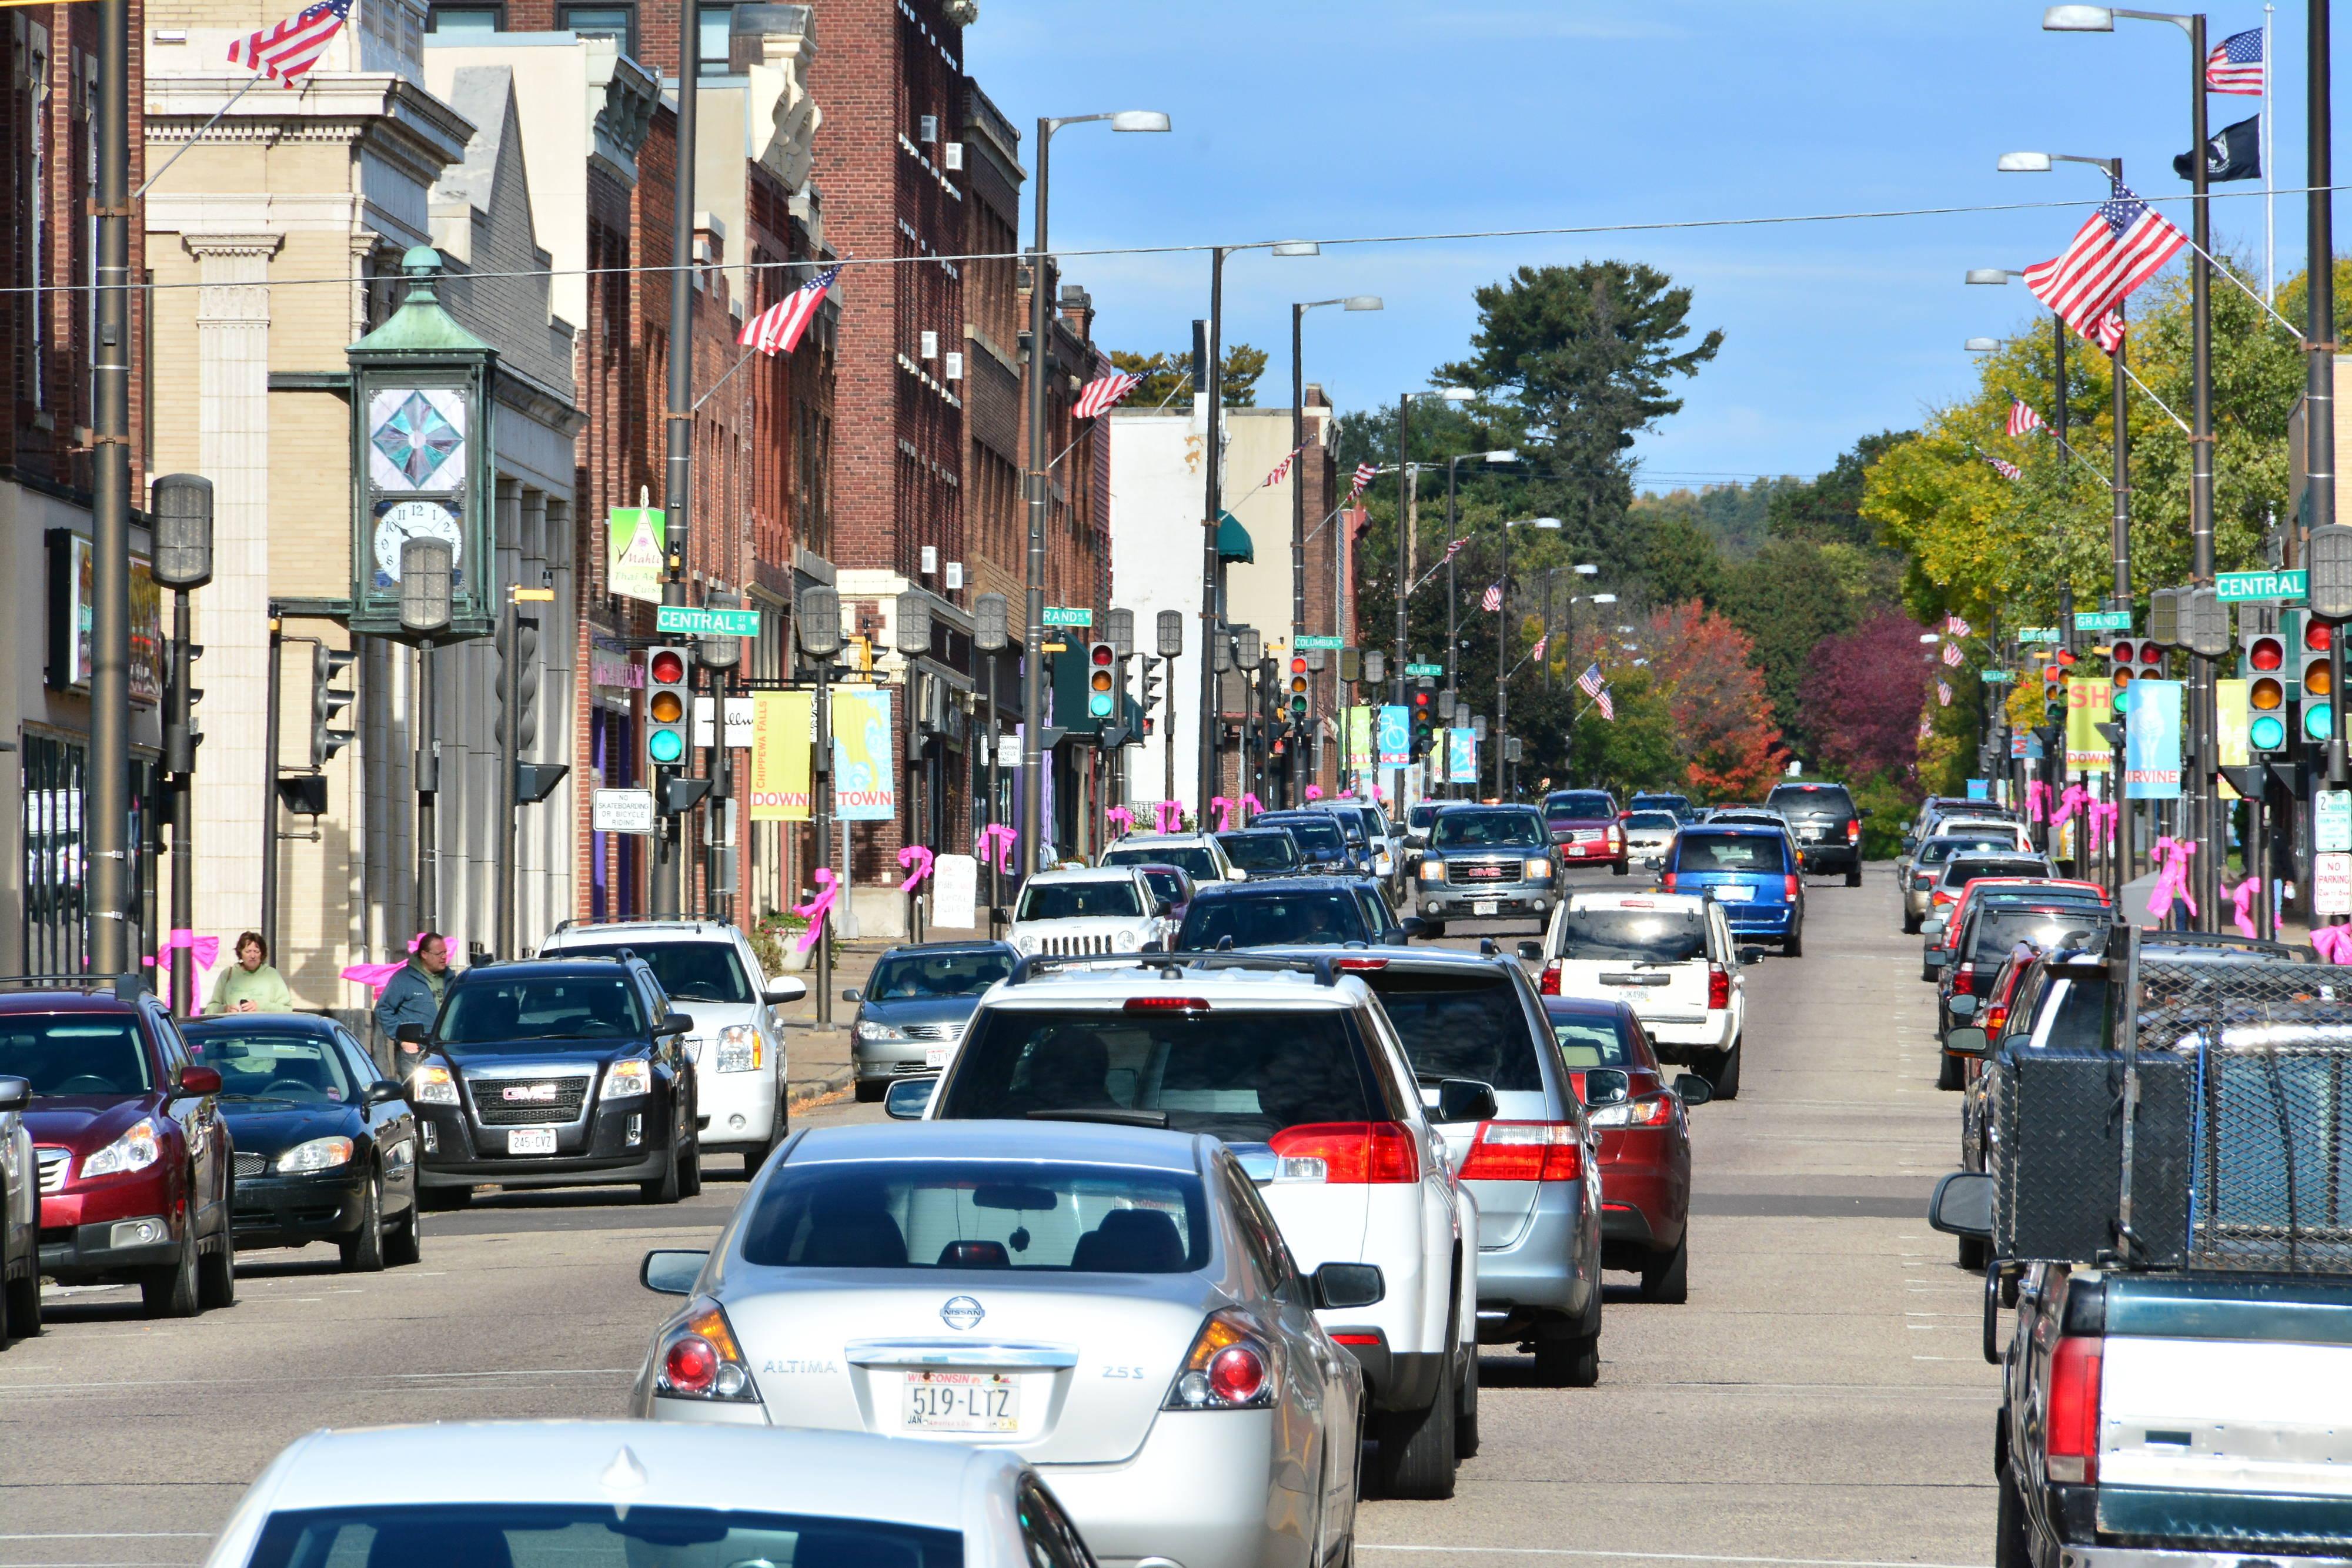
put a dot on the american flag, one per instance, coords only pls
(1493, 599)
(2236, 67)
(1281, 469)
(2107, 332)
(2023, 421)
(291, 47)
(1943, 694)
(778, 329)
(2005, 470)
(1591, 682)
(1955, 627)
(1952, 655)
(1925, 729)
(1608, 709)
(1102, 394)
(1364, 472)
(1536, 652)
(1453, 549)
(2118, 248)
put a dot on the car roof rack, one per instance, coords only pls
(127, 987)
(688, 920)
(1326, 970)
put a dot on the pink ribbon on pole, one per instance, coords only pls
(816, 909)
(2171, 856)
(1224, 809)
(203, 952)
(1122, 819)
(2101, 816)
(1172, 815)
(2333, 943)
(919, 857)
(1254, 804)
(375, 977)
(2035, 791)
(1003, 836)
(2243, 895)
(1315, 791)
(2075, 799)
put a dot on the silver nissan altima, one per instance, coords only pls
(1113, 1304)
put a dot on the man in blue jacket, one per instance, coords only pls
(414, 994)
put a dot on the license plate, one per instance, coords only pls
(1734, 892)
(532, 1141)
(1809, 832)
(935, 1056)
(1486, 906)
(962, 1402)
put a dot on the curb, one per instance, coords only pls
(804, 1090)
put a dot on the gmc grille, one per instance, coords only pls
(493, 1109)
(1483, 870)
(54, 1164)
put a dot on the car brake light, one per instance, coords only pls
(1523, 1151)
(2074, 1423)
(1788, 888)
(1667, 882)
(700, 1359)
(1719, 987)
(1229, 1368)
(1362, 964)
(1348, 1154)
(1995, 1017)
(1853, 830)
(1548, 983)
(1648, 1110)
(1167, 1004)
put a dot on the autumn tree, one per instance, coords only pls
(1715, 693)
(1862, 695)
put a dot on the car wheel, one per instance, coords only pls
(406, 1245)
(1793, 945)
(869, 1093)
(1466, 1415)
(20, 1307)
(1976, 1251)
(1432, 930)
(689, 1176)
(1911, 924)
(442, 1199)
(1854, 874)
(170, 1292)
(2010, 1546)
(1723, 1074)
(1567, 1360)
(1619, 868)
(663, 1189)
(363, 1250)
(1665, 1276)
(754, 1159)
(217, 1273)
(1416, 1447)
(1947, 1069)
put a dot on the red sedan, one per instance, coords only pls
(1644, 1136)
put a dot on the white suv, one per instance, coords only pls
(1199, 854)
(710, 971)
(1668, 955)
(1108, 909)
(1293, 1063)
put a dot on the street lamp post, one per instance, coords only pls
(1452, 522)
(1299, 310)
(1503, 644)
(1032, 685)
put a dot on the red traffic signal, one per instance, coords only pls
(1102, 654)
(667, 668)
(2266, 652)
(2319, 635)
(1298, 664)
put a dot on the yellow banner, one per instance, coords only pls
(783, 734)
(2089, 704)
(2231, 716)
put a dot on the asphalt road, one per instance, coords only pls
(1820, 1401)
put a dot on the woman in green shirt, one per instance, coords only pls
(250, 985)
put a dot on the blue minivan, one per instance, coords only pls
(1750, 872)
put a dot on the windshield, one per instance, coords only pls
(275, 1064)
(1318, 835)
(689, 971)
(1960, 872)
(75, 1054)
(1654, 822)
(1586, 803)
(1275, 850)
(1636, 935)
(1749, 852)
(1100, 900)
(1488, 830)
(1193, 858)
(1594, 1040)
(2001, 928)
(1321, 919)
(970, 1214)
(1420, 816)
(1460, 1026)
(918, 977)
(1936, 851)
(592, 1535)
(1352, 823)
(1238, 1075)
(1811, 799)
(515, 1013)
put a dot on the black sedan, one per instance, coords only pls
(326, 1146)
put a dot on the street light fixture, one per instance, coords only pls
(1503, 633)
(1982, 345)
(1299, 310)
(1994, 274)
(1452, 468)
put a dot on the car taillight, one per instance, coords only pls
(1788, 888)
(2073, 1423)
(700, 1359)
(1648, 1110)
(1347, 1153)
(1523, 1151)
(1854, 830)
(1548, 983)
(1667, 883)
(1167, 1004)
(1994, 1018)
(1229, 1368)
(1719, 987)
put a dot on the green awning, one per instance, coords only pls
(1233, 540)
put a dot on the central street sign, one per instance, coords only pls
(694, 620)
(1062, 615)
(2277, 587)
(2103, 621)
(1414, 671)
(1306, 642)
(2037, 634)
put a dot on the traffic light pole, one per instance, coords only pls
(666, 894)
(509, 754)
(2203, 697)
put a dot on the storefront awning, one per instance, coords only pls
(1233, 540)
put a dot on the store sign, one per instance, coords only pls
(611, 667)
(738, 723)
(72, 620)
(634, 541)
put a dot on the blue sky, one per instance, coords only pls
(1323, 119)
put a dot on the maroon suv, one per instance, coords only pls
(134, 1156)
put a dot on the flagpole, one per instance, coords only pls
(2269, 208)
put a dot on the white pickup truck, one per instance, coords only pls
(1668, 955)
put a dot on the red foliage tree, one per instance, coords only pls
(1723, 727)
(1862, 692)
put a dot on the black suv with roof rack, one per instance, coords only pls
(1826, 824)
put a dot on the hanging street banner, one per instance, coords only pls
(1396, 735)
(2089, 704)
(696, 620)
(1359, 740)
(784, 731)
(1462, 757)
(634, 538)
(2262, 587)
(864, 785)
(2152, 741)
(2233, 714)
(2103, 621)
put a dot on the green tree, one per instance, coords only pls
(1167, 377)
(1788, 597)
(1634, 751)
(1828, 510)
(1680, 560)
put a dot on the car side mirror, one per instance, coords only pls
(199, 1080)
(853, 995)
(1346, 1286)
(1413, 927)
(382, 1091)
(1240, 875)
(1932, 929)
(1607, 1085)
(676, 1023)
(672, 1272)
(1693, 1090)
(1751, 956)
(1465, 1100)
(1163, 907)
(409, 1034)
(784, 988)
(1531, 952)
(1963, 1005)
(908, 1098)
(1966, 1040)
(15, 1094)
(1962, 1205)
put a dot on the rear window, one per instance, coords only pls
(1963, 869)
(1585, 803)
(1103, 900)
(1751, 852)
(1167, 884)
(1322, 919)
(1936, 851)
(1193, 858)
(1617, 934)
(1260, 852)
(1999, 930)
(1460, 1026)
(1420, 816)
(1318, 835)
(592, 1535)
(1811, 799)
(75, 1054)
(1232, 1073)
(915, 977)
(1472, 830)
(969, 1214)
(1594, 1040)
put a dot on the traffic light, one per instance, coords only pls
(2123, 663)
(327, 666)
(1151, 680)
(1375, 667)
(1352, 665)
(667, 703)
(1424, 722)
(2054, 695)
(2318, 685)
(1102, 679)
(1298, 688)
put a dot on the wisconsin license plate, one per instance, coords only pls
(1486, 906)
(962, 1402)
(532, 1141)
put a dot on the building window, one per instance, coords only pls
(716, 22)
(466, 20)
(56, 939)
(618, 23)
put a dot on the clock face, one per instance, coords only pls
(415, 520)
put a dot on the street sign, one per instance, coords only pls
(695, 621)
(2331, 820)
(1305, 643)
(620, 811)
(1995, 677)
(1008, 751)
(1066, 615)
(1414, 671)
(2103, 621)
(2331, 883)
(2037, 635)
(2277, 587)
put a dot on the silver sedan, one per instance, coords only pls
(1113, 1304)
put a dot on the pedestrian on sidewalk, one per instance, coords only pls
(250, 985)
(414, 994)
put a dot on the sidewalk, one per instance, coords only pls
(817, 1062)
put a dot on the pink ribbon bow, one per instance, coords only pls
(1253, 803)
(1002, 835)
(2243, 895)
(203, 952)
(1172, 815)
(375, 977)
(1315, 791)
(1122, 819)
(1224, 809)
(2333, 943)
(919, 857)
(2172, 857)
(2036, 792)
(2101, 815)
(816, 909)
(2073, 799)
